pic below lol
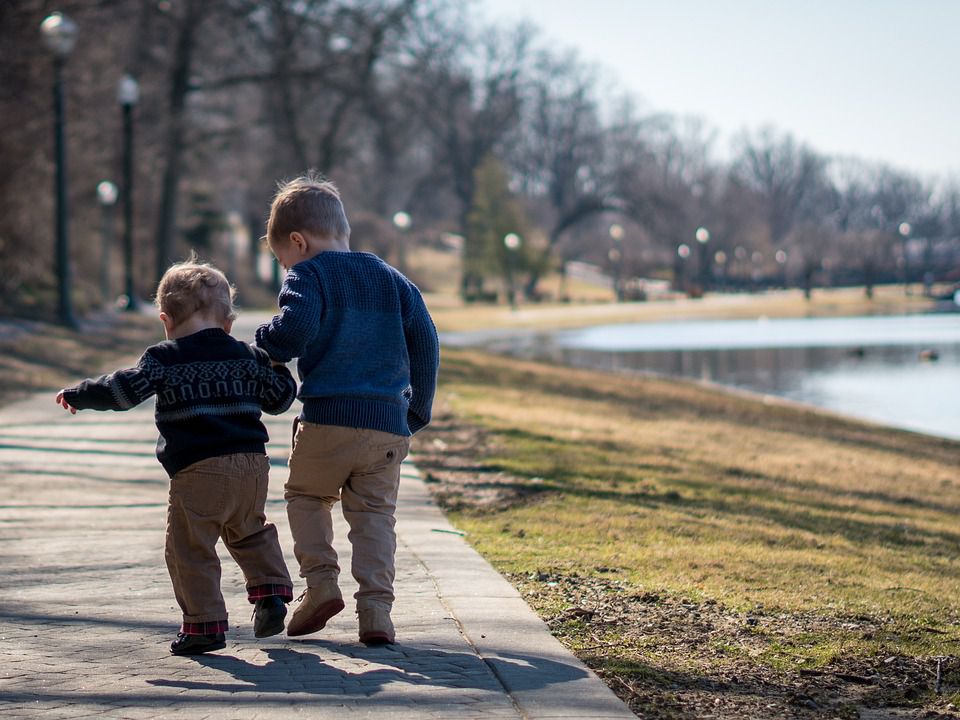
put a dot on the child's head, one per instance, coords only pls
(192, 288)
(307, 207)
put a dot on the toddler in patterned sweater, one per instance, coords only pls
(210, 390)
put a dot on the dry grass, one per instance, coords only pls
(840, 536)
(451, 314)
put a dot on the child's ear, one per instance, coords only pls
(227, 326)
(299, 241)
(167, 321)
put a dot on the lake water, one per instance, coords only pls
(902, 371)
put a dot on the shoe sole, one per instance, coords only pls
(376, 638)
(200, 651)
(319, 619)
(274, 628)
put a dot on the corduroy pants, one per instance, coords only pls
(361, 468)
(220, 498)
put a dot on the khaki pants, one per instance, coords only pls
(220, 497)
(362, 469)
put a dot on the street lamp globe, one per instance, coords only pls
(616, 232)
(720, 257)
(511, 241)
(683, 251)
(59, 33)
(128, 91)
(402, 220)
(702, 235)
(107, 193)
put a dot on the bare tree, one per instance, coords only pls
(470, 98)
(782, 173)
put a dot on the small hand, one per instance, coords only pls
(64, 404)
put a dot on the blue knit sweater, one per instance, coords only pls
(367, 347)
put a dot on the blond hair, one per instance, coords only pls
(308, 203)
(192, 287)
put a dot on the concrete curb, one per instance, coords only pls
(541, 676)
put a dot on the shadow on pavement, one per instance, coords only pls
(292, 670)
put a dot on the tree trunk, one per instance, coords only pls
(173, 147)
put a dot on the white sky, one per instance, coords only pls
(878, 79)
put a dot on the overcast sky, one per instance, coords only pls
(879, 79)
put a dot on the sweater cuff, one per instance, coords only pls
(263, 342)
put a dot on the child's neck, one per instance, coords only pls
(193, 324)
(319, 245)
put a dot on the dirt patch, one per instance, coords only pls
(454, 459)
(669, 657)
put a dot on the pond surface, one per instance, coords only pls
(901, 370)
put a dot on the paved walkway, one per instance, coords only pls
(87, 612)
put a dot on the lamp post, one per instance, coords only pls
(60, 35)
(616, 256)
(720, 260)
(128, 93)
(781, 258)
(702, 236)
(512, 243)
(107, 197)
(683, 252)
(402, 221)
(904, 230)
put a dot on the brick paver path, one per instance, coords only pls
(87, 611)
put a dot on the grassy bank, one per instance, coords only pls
(706, 551)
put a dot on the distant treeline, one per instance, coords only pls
(414, 106)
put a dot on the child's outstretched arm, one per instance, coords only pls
(120, 390)
(288, 334)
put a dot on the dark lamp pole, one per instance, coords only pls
(60, 35)
(402, 221)
(128, 93)
(702, 236)
(107, 195)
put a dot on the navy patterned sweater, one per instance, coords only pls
(210, 389)
(367, 348)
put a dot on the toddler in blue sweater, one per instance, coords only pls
(368, 356)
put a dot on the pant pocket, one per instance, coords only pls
(202, 490)
(379, 456)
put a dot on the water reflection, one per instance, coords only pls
(886, 382)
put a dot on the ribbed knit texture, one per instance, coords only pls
(367, 347)
(210, 389)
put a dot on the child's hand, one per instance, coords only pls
(64, 404)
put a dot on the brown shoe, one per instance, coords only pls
(376, 628)
(317, 605)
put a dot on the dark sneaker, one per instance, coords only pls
(268, 615)
(197, 644)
